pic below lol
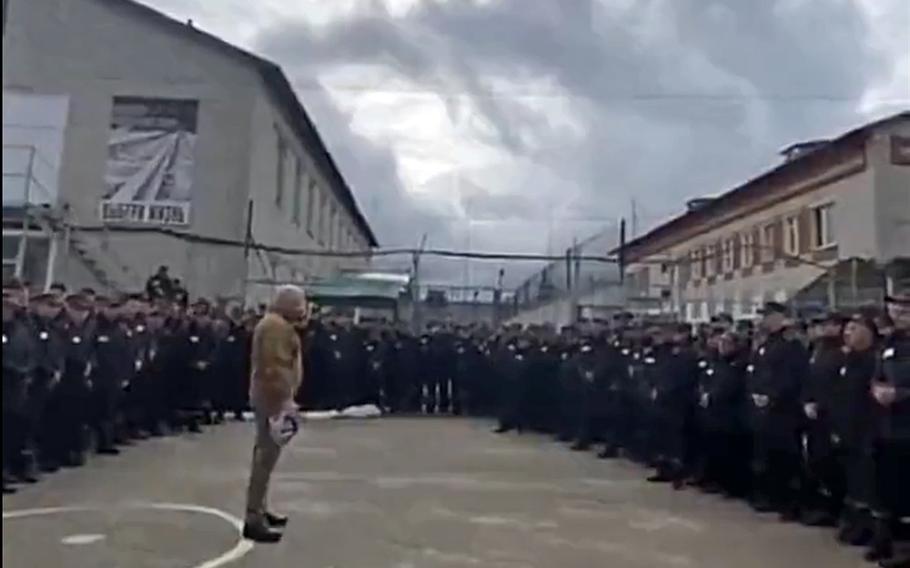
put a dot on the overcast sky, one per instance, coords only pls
(518, 125)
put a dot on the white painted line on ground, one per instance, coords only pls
(239, 550)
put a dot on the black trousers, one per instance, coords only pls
(776, 466)
(66, 418)
(725, 454)
(106, 399)
(16, 431)
(891, 458)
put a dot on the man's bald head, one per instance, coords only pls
(290, 302)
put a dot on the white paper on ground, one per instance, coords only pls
(362, 411)
(321, 414)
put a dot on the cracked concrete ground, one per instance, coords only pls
(391, 493)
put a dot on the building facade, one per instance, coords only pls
(169, 147)
(825, 227)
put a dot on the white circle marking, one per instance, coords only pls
(239, 550)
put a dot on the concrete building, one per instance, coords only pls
(134, 140)
(826, 226)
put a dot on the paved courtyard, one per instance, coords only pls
(391, 493)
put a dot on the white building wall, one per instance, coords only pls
(274, 224)
(93, 50)
(871, 221)
(892, 195)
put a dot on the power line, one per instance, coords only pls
(372, 253)
(441, 253)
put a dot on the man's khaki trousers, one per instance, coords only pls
(265, 456)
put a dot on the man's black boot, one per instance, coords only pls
(259, 532)
(275, 520)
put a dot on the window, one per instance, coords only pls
(298, 191)
(36, 262)
(823, 221)
(279, 171)
(767, 243)
(710, 260)
(791, 236)
(695, 260)
(333, 227)
(664, 267)
(748, 249)
(10, 256)
(311, 206)
(322, 225)
(10, 247)
(728, 255)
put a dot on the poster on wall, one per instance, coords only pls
(150, 161)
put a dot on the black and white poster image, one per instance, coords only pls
(151, 159)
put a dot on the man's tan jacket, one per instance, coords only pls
(276, 364)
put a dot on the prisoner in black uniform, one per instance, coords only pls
(71, 399)
(722, 407)
(850, 408)
(778, 368)
(18, 368)
(826, 482)
(891, 390)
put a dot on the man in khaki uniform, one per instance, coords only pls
(276, 375)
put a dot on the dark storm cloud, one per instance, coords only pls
(676, 98)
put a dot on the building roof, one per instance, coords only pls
(351, 287)
(637, 248)
(280, 89)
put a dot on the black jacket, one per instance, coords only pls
(722, 402)
(850, 404)
(777, 371)
(894, 369)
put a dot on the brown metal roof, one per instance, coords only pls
(279, 87)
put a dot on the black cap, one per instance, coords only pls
(43, 297)
(902, 298)
(78, 302)
(722, 318)
(835, 316)
(773, 308)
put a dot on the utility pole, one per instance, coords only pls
(416, 322)
(622, 251)
(832, 287)
(247, 243)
